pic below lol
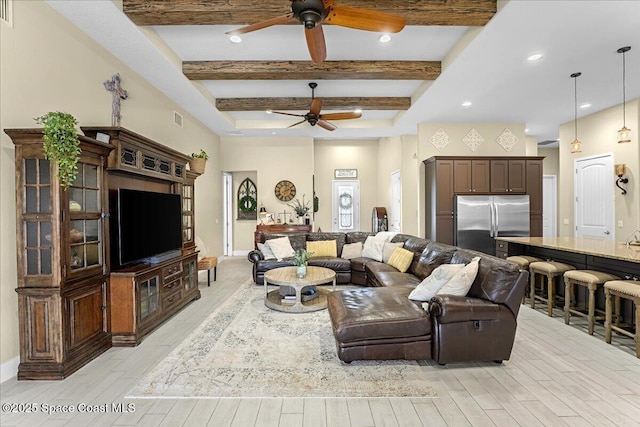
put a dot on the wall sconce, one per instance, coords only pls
(621, 170)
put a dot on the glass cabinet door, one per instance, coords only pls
(37, 218)
(187, 214)
(85, 234)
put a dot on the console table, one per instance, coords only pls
(278, 228)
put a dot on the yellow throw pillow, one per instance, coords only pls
(401, 259)
(322, 248)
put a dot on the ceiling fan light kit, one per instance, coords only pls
(312, 13)
(313, 117)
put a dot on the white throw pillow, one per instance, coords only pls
(436, 280)
(373, 248)
(281, 247)
(388, 249)
(352, 250)
(386, 235)
(201, 248)
(266, 251)
(462, 281)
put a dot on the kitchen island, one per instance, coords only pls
(581, 252)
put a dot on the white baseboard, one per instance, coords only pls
(9, 369)
(241, 253)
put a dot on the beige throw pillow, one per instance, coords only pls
(462, 281)
(373, 248)
(322, 248)
(401, 259)
(281, 247)
(388, 249)
(434, 282)
(352, 250)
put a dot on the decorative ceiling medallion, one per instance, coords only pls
(473, 140)
(440, 139)
(507, 140)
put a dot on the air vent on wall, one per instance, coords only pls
(548, 142)
(6, 11)
(177, 118)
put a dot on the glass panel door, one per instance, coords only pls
(346, 206)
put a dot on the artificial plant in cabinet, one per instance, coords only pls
(62, 269)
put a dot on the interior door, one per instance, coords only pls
(396, 201)
(594, 197)
(346, 206)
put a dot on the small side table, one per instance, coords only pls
(207, 264)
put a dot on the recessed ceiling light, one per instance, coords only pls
(269, 112)
(467, 104)
(585, 105)
(273, 133)
(358, 110)
(235, 39)
(534, 57)
(526, 130)
(385, 38)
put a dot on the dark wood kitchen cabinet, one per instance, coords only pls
(448, 176)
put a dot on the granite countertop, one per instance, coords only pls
(582, 245)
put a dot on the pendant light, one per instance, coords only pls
(624, 134)
(576, 145)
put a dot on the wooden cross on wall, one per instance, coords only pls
(118, 93)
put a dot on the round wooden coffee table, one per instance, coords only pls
(286, 276)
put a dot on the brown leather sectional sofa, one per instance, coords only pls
(380, 322)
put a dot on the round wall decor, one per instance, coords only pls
(285, 191)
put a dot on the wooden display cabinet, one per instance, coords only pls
(62, 264)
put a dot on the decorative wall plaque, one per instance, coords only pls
(473, 140)
(507, 140)
(440, 139)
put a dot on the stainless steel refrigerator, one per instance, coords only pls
(479, 219)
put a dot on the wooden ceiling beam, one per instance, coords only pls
(364, 103)
(306, 70)
(244, 12)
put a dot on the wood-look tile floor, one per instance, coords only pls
(558, 375)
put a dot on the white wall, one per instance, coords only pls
(47, 64)
(598, 133)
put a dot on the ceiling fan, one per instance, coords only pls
(315, 118)
(312, 13)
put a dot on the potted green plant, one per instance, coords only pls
(198, 161)
(300, 208)
(61, 144)
(300, 259)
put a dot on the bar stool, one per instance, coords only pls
(551, 269)
(207, 264)
(523, 261)
(591, 280)
(627, 289)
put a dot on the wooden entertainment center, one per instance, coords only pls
(72, 305)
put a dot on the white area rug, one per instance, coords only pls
(245, 349)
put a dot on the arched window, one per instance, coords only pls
(247, 200)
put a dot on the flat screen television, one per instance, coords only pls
(148, 224)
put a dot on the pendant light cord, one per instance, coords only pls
(624, 109)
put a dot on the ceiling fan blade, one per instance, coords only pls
(296, 124)
(340, 116)
(316, 106)
(327, 3)
(326, 125)
(260, 25)
(363, 19)
(316, 44)
(287, 114)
